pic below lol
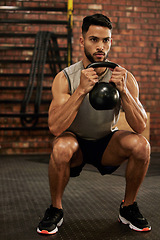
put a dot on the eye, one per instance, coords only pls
(106, 40)
(94, 39)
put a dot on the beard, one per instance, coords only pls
(91, 58)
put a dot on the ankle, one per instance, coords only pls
(57, 206)
(127, 203)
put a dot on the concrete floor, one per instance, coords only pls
(91, 202)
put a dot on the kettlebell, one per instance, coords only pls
(104, 96)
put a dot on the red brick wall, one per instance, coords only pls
(136, 46)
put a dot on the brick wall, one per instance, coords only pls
(136, 46)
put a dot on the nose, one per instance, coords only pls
(100, 46)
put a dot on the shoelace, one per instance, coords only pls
(135, 211)
(49, 214)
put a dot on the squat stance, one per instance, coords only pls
(85, 135)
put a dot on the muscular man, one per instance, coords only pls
(85, 135)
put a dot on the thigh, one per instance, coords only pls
(120, 148)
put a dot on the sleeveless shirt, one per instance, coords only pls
(89, 123)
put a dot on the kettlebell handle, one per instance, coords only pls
(102, 64)
(104, 96)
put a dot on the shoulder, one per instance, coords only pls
(74, 68)
(60, 83)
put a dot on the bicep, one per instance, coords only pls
(60, 91)
(132, 86)
(134, 90)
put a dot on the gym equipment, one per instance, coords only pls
(104, 96)
(27, 82)
(70, 27)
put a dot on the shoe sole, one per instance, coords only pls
(51, 232)
(125, 221)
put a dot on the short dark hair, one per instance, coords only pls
(96, 19)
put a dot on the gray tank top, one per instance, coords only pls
(89, 123)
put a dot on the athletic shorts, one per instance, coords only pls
(92, 152)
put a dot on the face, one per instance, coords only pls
(96, 43)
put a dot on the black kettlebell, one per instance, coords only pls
(104, 96)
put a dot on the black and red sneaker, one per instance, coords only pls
(131, 215)
(53, 218)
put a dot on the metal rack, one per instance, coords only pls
(60, 56)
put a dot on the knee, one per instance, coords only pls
(141, 149)
(63, 150)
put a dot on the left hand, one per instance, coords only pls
(119, 78)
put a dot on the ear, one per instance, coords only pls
(81, 41)
(110, 44)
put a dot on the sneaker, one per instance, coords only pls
(132, 216)
(53, 218)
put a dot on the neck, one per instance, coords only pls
(86, 62)
(99, 71)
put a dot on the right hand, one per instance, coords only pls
(88, 79)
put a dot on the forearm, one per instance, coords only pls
(61, 117)
(134, 112)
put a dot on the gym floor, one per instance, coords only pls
(91, 201)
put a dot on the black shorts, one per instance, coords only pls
(92, 152)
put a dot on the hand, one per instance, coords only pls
(119, 78)
(88, 79)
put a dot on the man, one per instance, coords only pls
(85, 135)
